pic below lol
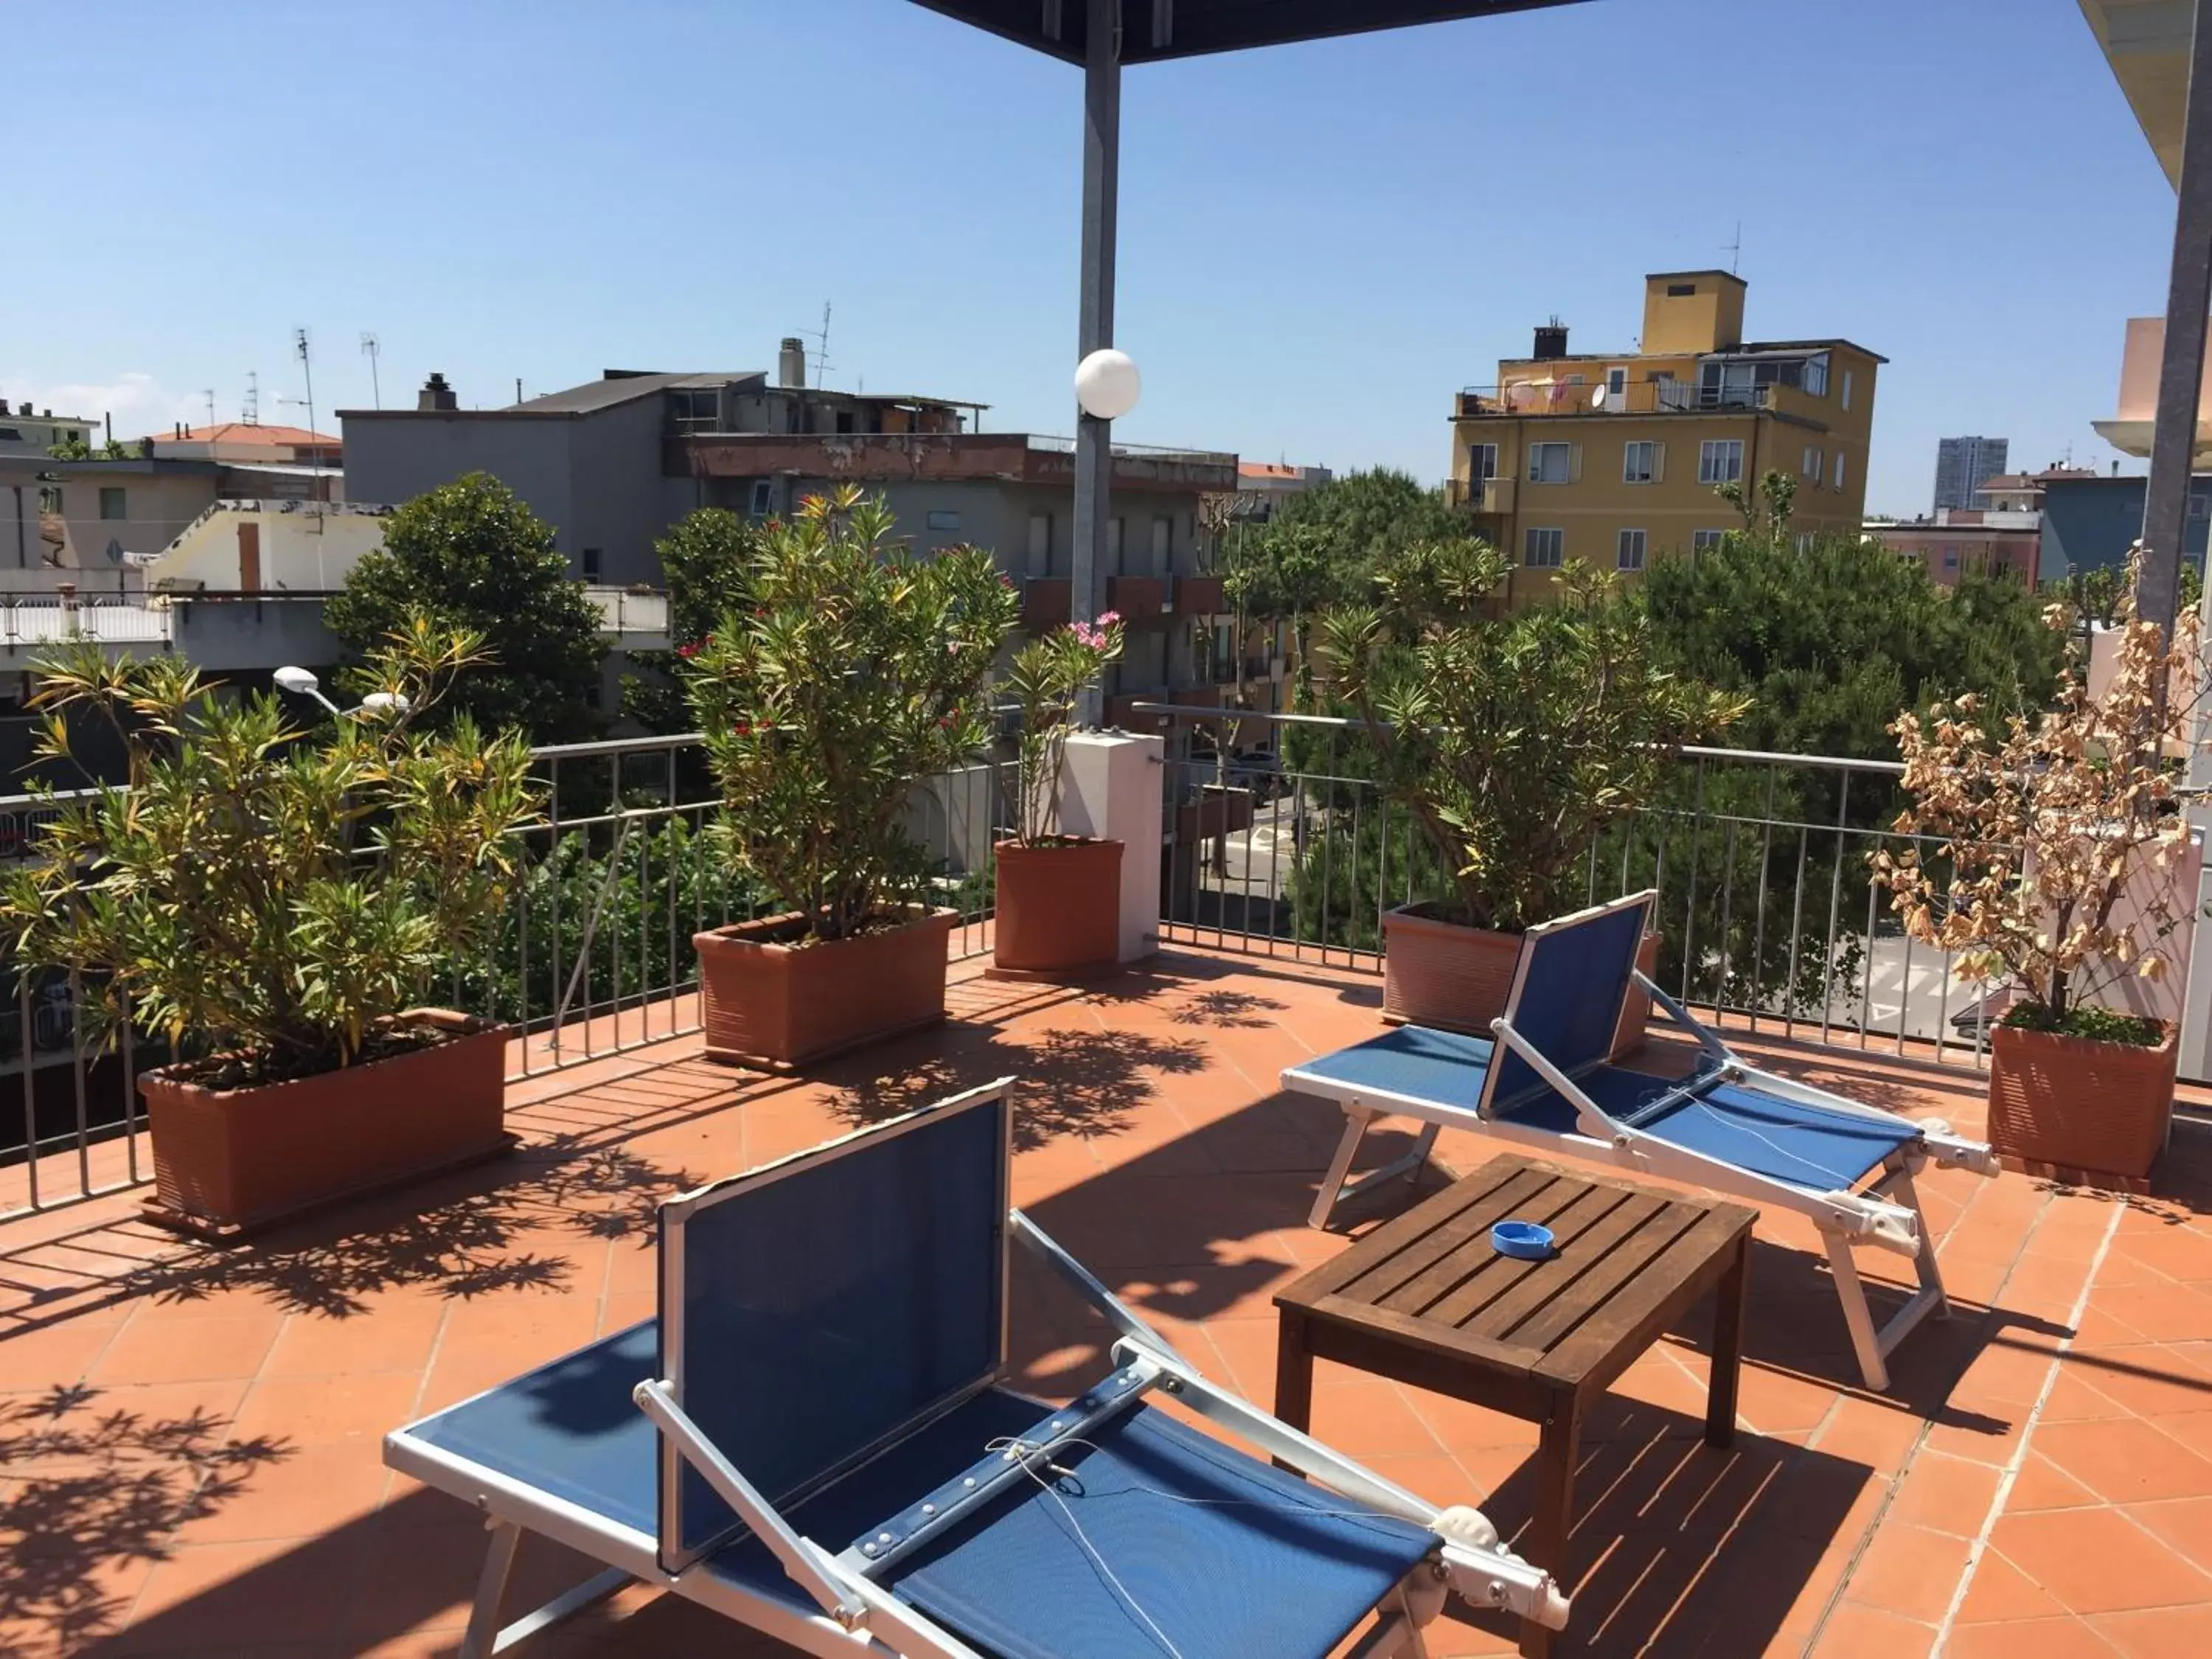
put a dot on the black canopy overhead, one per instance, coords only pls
(1156, 29)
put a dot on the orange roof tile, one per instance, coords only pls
(239, 432)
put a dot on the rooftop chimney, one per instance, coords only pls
(791, 361)
(435, 394)
(1550, 340)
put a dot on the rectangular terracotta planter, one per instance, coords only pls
(1456, 978)
(228, 1160)
(773, 1001)
(1441, 974)
(1636, 1010)
(2078, 1106)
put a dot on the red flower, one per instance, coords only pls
(687, 650)
(742, 729)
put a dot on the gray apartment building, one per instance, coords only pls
(1963, 465)
(611, 465)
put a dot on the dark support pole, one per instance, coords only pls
(2181, 370)
(1094, 452)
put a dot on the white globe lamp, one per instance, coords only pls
(1107, 384)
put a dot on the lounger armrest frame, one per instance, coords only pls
(1125, 1320)
(1590, 1119)
(1708, 1039)
(808, 1565)
(1493, 1578)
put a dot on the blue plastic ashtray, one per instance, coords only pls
(1524, 1239)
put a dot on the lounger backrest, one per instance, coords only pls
(813, 1311)
(1568, 990)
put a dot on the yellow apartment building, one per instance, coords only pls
(1612, 458)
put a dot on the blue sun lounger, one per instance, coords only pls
(814, 1438)
(1547, 1080)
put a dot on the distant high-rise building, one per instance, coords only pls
(1962, 464)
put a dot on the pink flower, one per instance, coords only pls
(1110, 619)
(687, 650)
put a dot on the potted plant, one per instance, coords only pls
(1512, 738)
(856, 671)
(2050, 853)
(272, 901)
(1058, 911)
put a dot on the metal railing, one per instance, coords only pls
(42, 620)
(1596, 397)
(595, 957)
(1281, 842)
(629, 609)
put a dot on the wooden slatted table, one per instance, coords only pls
(1425, 1300)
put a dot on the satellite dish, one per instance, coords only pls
(1597, 397)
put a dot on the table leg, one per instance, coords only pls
(1293, 1375)
(1556, 1456)
(1728, 1347)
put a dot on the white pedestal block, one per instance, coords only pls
(1111, 787)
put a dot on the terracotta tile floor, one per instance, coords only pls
(189, 1457)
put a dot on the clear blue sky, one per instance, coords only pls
(1319, 243)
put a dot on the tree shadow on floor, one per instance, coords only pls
(1068, 1081)
(95, 1487)
(456, 1235)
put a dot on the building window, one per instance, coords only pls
(1039, 543)
(1720, 460)
(1816, 375)
(591, 564)
(1950, 557)
(1481, 462)
(1812, 463)
(1640, 463)
(942, 519)
(1545, 550)
(1628, 550)
(1702, 539)
(1550, 462)
(1115, 537)
(2200, 509)
(1680, 290)
(1162, 545)
(50, 498)
(1840, 460)
(695, 409)
(764, 498)
(1847, 388)
(112, 502)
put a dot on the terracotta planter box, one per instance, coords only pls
(1636, 1011)
(2079, 1106)
(1059, 908)
(1438, 973)
(227, 1160)
(773, 1002)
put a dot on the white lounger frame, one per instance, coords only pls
(853, 1615)
(1885, 1212)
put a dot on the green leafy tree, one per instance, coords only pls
(1764, 886)
(706, 561)
(470, 555)
(858, 670)
(275, 896)
(1323, 544)
(1766, 506)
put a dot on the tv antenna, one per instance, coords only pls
(307, 370)
(369, 348)
(1736, 249)
(821, 338)
(210, 395)
(250, 412)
